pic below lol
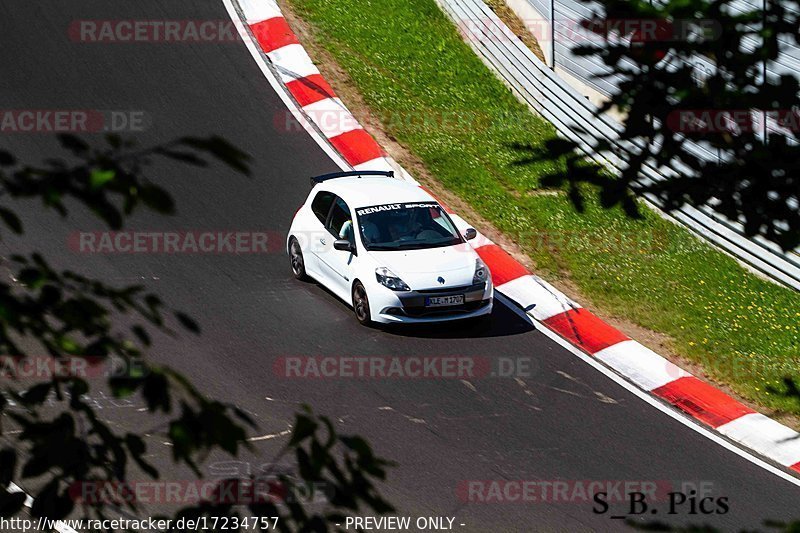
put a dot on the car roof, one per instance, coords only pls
(367, 191)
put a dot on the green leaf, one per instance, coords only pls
(78, 388)
(222, 150)
(69, 345)
(51, 503)
(11, 220)
(141, 334)
(122, 387)
(36, 466)
(179, 434)
(304, 427)
(8, 462)
(11, 503)
(114, 140)
(156, 392)
(99, 178)
(187, 322)
(157, 199)
(358, 445)
(6, 159)
(138, 448)
(31, 277)
(36, 395)
(73, 143)
(184, 157)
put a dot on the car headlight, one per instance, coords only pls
(481, 272)
(388, 279)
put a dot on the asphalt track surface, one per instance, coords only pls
(566, 422)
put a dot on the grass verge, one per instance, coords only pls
(434, 96)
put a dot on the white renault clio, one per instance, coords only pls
(388, 249)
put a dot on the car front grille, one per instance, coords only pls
(455, 290)
(420, 311)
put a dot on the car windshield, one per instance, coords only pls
(406, 226)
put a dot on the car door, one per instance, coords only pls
(315, 234)
(339, 263)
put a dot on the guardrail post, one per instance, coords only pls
(764, 6)
(553, 34)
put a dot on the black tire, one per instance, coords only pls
(296, 260)
(361, 304)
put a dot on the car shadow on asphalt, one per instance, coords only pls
(502, 322)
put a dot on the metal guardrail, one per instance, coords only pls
(576, 119)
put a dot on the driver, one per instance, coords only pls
(403, 227)
(370, 232)
(427, 227)
(346, 232)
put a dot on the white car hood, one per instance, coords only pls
(420, 269)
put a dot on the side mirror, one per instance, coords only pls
(470, 234)
(344, 245)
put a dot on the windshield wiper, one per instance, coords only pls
(423, 245)
(412, 245)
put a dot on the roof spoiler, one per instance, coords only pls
(333, 175)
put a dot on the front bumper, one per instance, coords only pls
(409, 307)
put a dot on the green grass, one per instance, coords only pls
(436, 98)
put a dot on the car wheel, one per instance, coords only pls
(361, 304)
(297, 261)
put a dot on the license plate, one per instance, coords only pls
(442, 301)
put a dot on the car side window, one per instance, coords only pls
(340, 223)
(321, 205)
